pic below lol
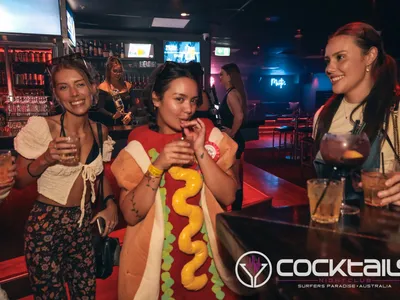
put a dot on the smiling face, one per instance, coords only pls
(116, 72)
(346, 65)
(178, 104)
(73, 91)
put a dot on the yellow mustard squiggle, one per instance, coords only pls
(193, 186)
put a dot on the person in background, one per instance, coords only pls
(58, 232)
(151, 172)
(114, 85)
(233, 111)
(364, 83)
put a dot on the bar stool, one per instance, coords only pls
(307, 154)
(285, 130)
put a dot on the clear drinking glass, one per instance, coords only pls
(5, 164)
(327, 209)
(72, 159)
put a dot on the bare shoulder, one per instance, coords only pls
(54, 123)
(104, 129)
(234, 95)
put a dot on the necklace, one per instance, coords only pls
(345, 110)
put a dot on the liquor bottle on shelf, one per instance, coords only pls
(134, 82)
(117, 53)
(95, 50)
(78, 47)
(110, 51)
(106, 53)
(100, 49)
(82, 47)
(122, 55)
(85, 49)
(90, 48)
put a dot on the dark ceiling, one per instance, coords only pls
(246, 24)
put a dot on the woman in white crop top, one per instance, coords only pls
(58, 241)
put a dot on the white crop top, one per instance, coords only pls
(56, 181)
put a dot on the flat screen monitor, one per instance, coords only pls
(139, 50)
(181, 52)
(30, 17)
(71, 26)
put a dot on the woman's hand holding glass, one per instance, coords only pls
(175, 153)
(392, 193)
(117, 115)
(62, 150)
(127, 119)
(5, 187)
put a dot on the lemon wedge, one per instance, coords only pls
(352, 154)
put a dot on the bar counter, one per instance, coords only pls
(289, 233)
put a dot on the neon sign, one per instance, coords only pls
(278, 82)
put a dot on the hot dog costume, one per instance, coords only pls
(163, 257)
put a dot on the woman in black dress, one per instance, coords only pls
(233, 112)
(115, 86)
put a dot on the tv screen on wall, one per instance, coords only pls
(181, 52)
(71, 26)
(139, 50)
(30, 17)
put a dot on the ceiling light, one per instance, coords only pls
(185, 14)
(169, 23)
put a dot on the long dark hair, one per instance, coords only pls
(111, 62)
(197, 72)
(236, 80)
(381, 97)
(159, 83)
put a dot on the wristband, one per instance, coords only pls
(154, 171)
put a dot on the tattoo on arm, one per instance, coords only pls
(202, 155)
(134, 209)
(150, 179)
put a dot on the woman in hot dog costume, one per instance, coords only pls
(175, 175)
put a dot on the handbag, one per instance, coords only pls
(107, 249)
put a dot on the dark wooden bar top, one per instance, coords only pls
(288, 233)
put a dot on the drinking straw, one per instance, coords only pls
(361, 128)
(325, 190)
(383, 163)
(356, 123)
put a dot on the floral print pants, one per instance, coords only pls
(57, 251)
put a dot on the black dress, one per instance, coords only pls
(107, 109)
(227, 121)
